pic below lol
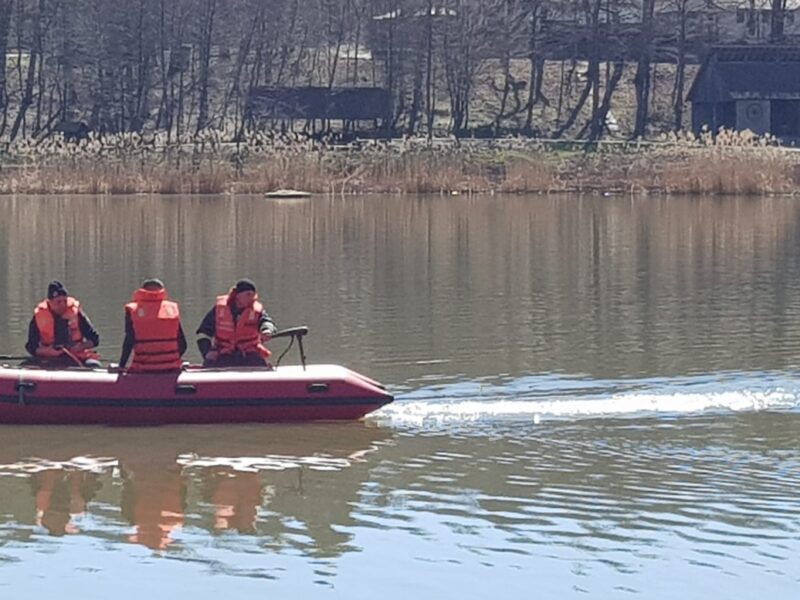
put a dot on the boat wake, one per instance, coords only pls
(555, 397)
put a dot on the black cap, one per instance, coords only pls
(56, 288)
(244, 285)
(153, 283)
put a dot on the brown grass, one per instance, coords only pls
(730, 164)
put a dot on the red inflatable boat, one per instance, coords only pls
(245, 395)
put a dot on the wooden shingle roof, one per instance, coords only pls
(741, 72)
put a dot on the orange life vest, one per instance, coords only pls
(242, 335)
(156, 323)
(46, 323)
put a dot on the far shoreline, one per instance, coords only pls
(730, 164)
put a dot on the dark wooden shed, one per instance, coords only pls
(312, 103)
(748, 87)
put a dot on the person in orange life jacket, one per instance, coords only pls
(153, 331)
(234, 332)
(60, 334)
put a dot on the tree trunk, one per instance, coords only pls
(163, 119)
(642, 78)
(776, 25)
(141, 106)
(205, 62)
(598, 123)
(334, 62)
(391, 78)
(429, 69)
(285, 50)
(30, 77)
(359, 16)
(680, 70)
(592, 72)
(6, 6)
(241, 59)
(537, 64)
(590, 83)
(505, 66)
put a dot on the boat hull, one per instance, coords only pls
(195, 396)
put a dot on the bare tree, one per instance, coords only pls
(536, 56)
(461, 49)
(777, 20)
(591, 11)
(509, 28)
(185, 65)
(207, 15)
(33, 64)
(642, 78)
(6, 8)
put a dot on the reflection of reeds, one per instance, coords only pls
(729, 163)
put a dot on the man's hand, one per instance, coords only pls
(48, 352)
(266, 333)
(211, 356)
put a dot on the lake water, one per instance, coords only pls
(596, 397)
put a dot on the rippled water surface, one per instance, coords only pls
(594, 397)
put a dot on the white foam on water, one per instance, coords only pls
(29, 466)
(443, 410)
(271, 462)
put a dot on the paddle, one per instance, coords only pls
(296, 333)
(75, 359)
(64, 351)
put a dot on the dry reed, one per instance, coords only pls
(728, 163)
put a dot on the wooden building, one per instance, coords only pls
(748, 87)
(317, 103)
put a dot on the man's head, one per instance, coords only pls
(57, 297)
(152, 284)
(245, 293)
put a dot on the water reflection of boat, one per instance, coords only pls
(153, 500)
(60, 496)
(147, 485)
(318, 392)
(235, 496)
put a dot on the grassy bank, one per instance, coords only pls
(733, 164)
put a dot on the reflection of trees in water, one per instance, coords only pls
(595, 285)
